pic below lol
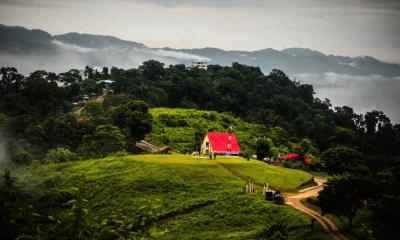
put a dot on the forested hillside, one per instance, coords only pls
(46, 117)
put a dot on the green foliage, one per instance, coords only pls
(23, 158)
(105, 140)
(305, 148)
(58, 155)
(184, 129)
(275, 151)
(263, 148)
(277, 231)
(137, 197)
(134, 119)
(343, 195)
(343, 136)
(272, 100)
(94, 109)
(76, 219)
(115, 100)
(10, 80)
(15, 215)
(342, 159)
(152, 70)
(8, 200)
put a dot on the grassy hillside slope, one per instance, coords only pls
(176, 127)
(279, 178)
(171, 196)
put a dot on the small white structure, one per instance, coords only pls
(201, 65)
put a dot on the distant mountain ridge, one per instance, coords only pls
(96, 41)
(99, 50)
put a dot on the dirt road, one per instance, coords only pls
(99, 99)
(293, 199)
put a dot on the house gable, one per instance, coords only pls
(223, 142)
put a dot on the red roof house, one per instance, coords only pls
(289, 156)
(222, 143)
(295, 156)
(307, 160)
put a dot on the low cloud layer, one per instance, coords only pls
(363, 93)
(70, 56)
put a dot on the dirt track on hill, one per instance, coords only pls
(293, 199)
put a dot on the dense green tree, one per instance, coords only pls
(343, 136)
(43, 95)
(104, 71)
(105, 140)
(263, 147)
(343, 196)
(345, 117)
(134, 119)
(94, 109)
(58, 155)
(91, 86)
(115, 100)
(305, 148)
(89, 73)
(342, 159)
(152, 70)
(70, 77)
(8, 206)
(23, 158)
(10, 80)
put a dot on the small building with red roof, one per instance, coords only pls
(296, 157)
(220, 143)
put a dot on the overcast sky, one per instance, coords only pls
(345, 27)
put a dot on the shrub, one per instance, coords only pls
(58, 155)
(105, 140)
(23, 157)
(120, 153)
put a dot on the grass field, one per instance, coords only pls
(279, 178)
(181, 197)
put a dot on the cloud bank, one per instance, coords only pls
(363, 93)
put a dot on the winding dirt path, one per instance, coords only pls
(293, 199)
(99, 99)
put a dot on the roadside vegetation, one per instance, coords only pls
(360, 229)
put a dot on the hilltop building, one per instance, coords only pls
(220, 143)
(297, 158)
(201, 65)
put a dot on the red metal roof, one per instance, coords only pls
(290, 156)
(220, 142)
(164, 148)
(307, 160)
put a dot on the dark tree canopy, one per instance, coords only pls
(342, 159)
(134, 119)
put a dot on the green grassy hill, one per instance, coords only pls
(279, 178)
(170, 196)
(176, 127)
